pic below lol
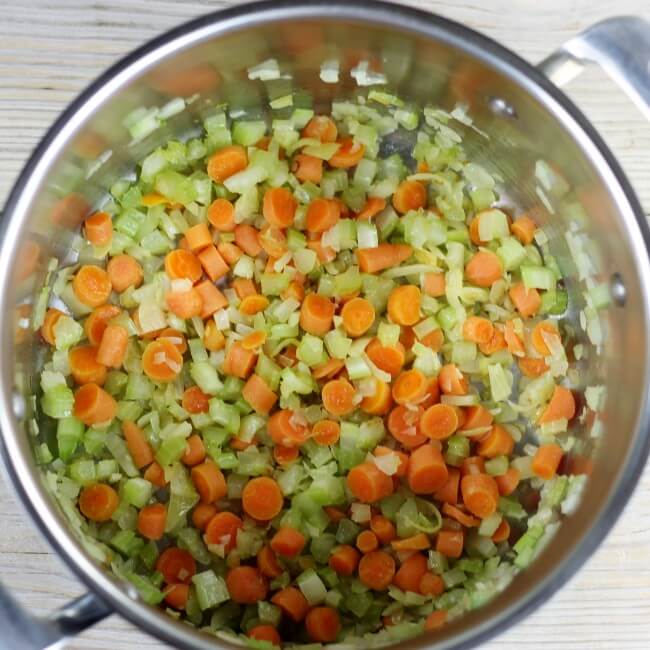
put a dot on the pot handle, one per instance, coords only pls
(22, 631)
(620, 45)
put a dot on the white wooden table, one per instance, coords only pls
(50, 50)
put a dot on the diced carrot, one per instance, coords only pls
(409, 387)
(431, 584)
(92, 285)
(344, 560)
(307, 168)
(93, 405)
(460, 516)
(368, 483)
(480, 494)
(417, 542)
(435, 620)
(380, 402)
(410, 572)
(384, 256)
(285, 430)
(267, 562)
(221, 214)
(323, 624)
(546, 461)
(156, 475)
(322, 214)
(316, 313)
(246, 237)
(508, 482)
(497, 443)
(84, 366)
(279, 207)
(541, 333)
(213, 264)
(561, 406)
(338, 397)
(434, 284)
(176, 596)
(112, 349)
(226, 162)
(292, 603)
(526, 301)
(474, 231)
(409, 195)
(325, 254)
(358, 316)
(182, 264)
(348, 154)
(531, 367)
(376, 570)
(389, 359)
(51, 318)
(175, 337)
(176, 565)
(367, 541)
(373, 206)
(285, 455)
(295, 291)
(524, 229)
(383, 528)
(478, 329)
(209, 481)
(222, 530)
(161, 360)
(259, 395)
(202, 514)
(450, 543)
(194, 451)
(404, 425)
(246, 585)
(213, 339)
(265, 632)
(321, 127)
(239, 362)
(452, 381)
(99, 229)
(212, 299)
(243, 287)
(439, 421)
(484, 269)
(152, 520)
(514, 343)
(230, 252)
(502, 533)
(328, 369)
(253, 304)
(427, 471)
(404, 305)
(288, 542)
(448, 492)
(137, 444)
(496, 343)
(477, 417)
(262, 498)
(124, 271)
(326, 432)
(185, 304)
(198, 237)
(473, 465)
(98, 502)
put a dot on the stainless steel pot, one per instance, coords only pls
(425, 58)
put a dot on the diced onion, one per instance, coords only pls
(388, 464)
(360, 513)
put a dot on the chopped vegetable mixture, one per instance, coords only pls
(304, 392)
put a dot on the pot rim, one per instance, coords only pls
(23, 474)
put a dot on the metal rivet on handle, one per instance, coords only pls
(618, 290)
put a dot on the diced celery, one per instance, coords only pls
(347, 531)
(311, 350)
(58, 401)
(538, 277)
(69, 432)
(247, 133)
(67, 332)
(137, 492)
(206, 377)
(211, 590)
(512, 253)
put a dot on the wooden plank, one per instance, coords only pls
(50, 51)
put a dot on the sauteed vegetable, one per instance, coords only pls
(306, 389)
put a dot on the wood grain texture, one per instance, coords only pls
(51, 49)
